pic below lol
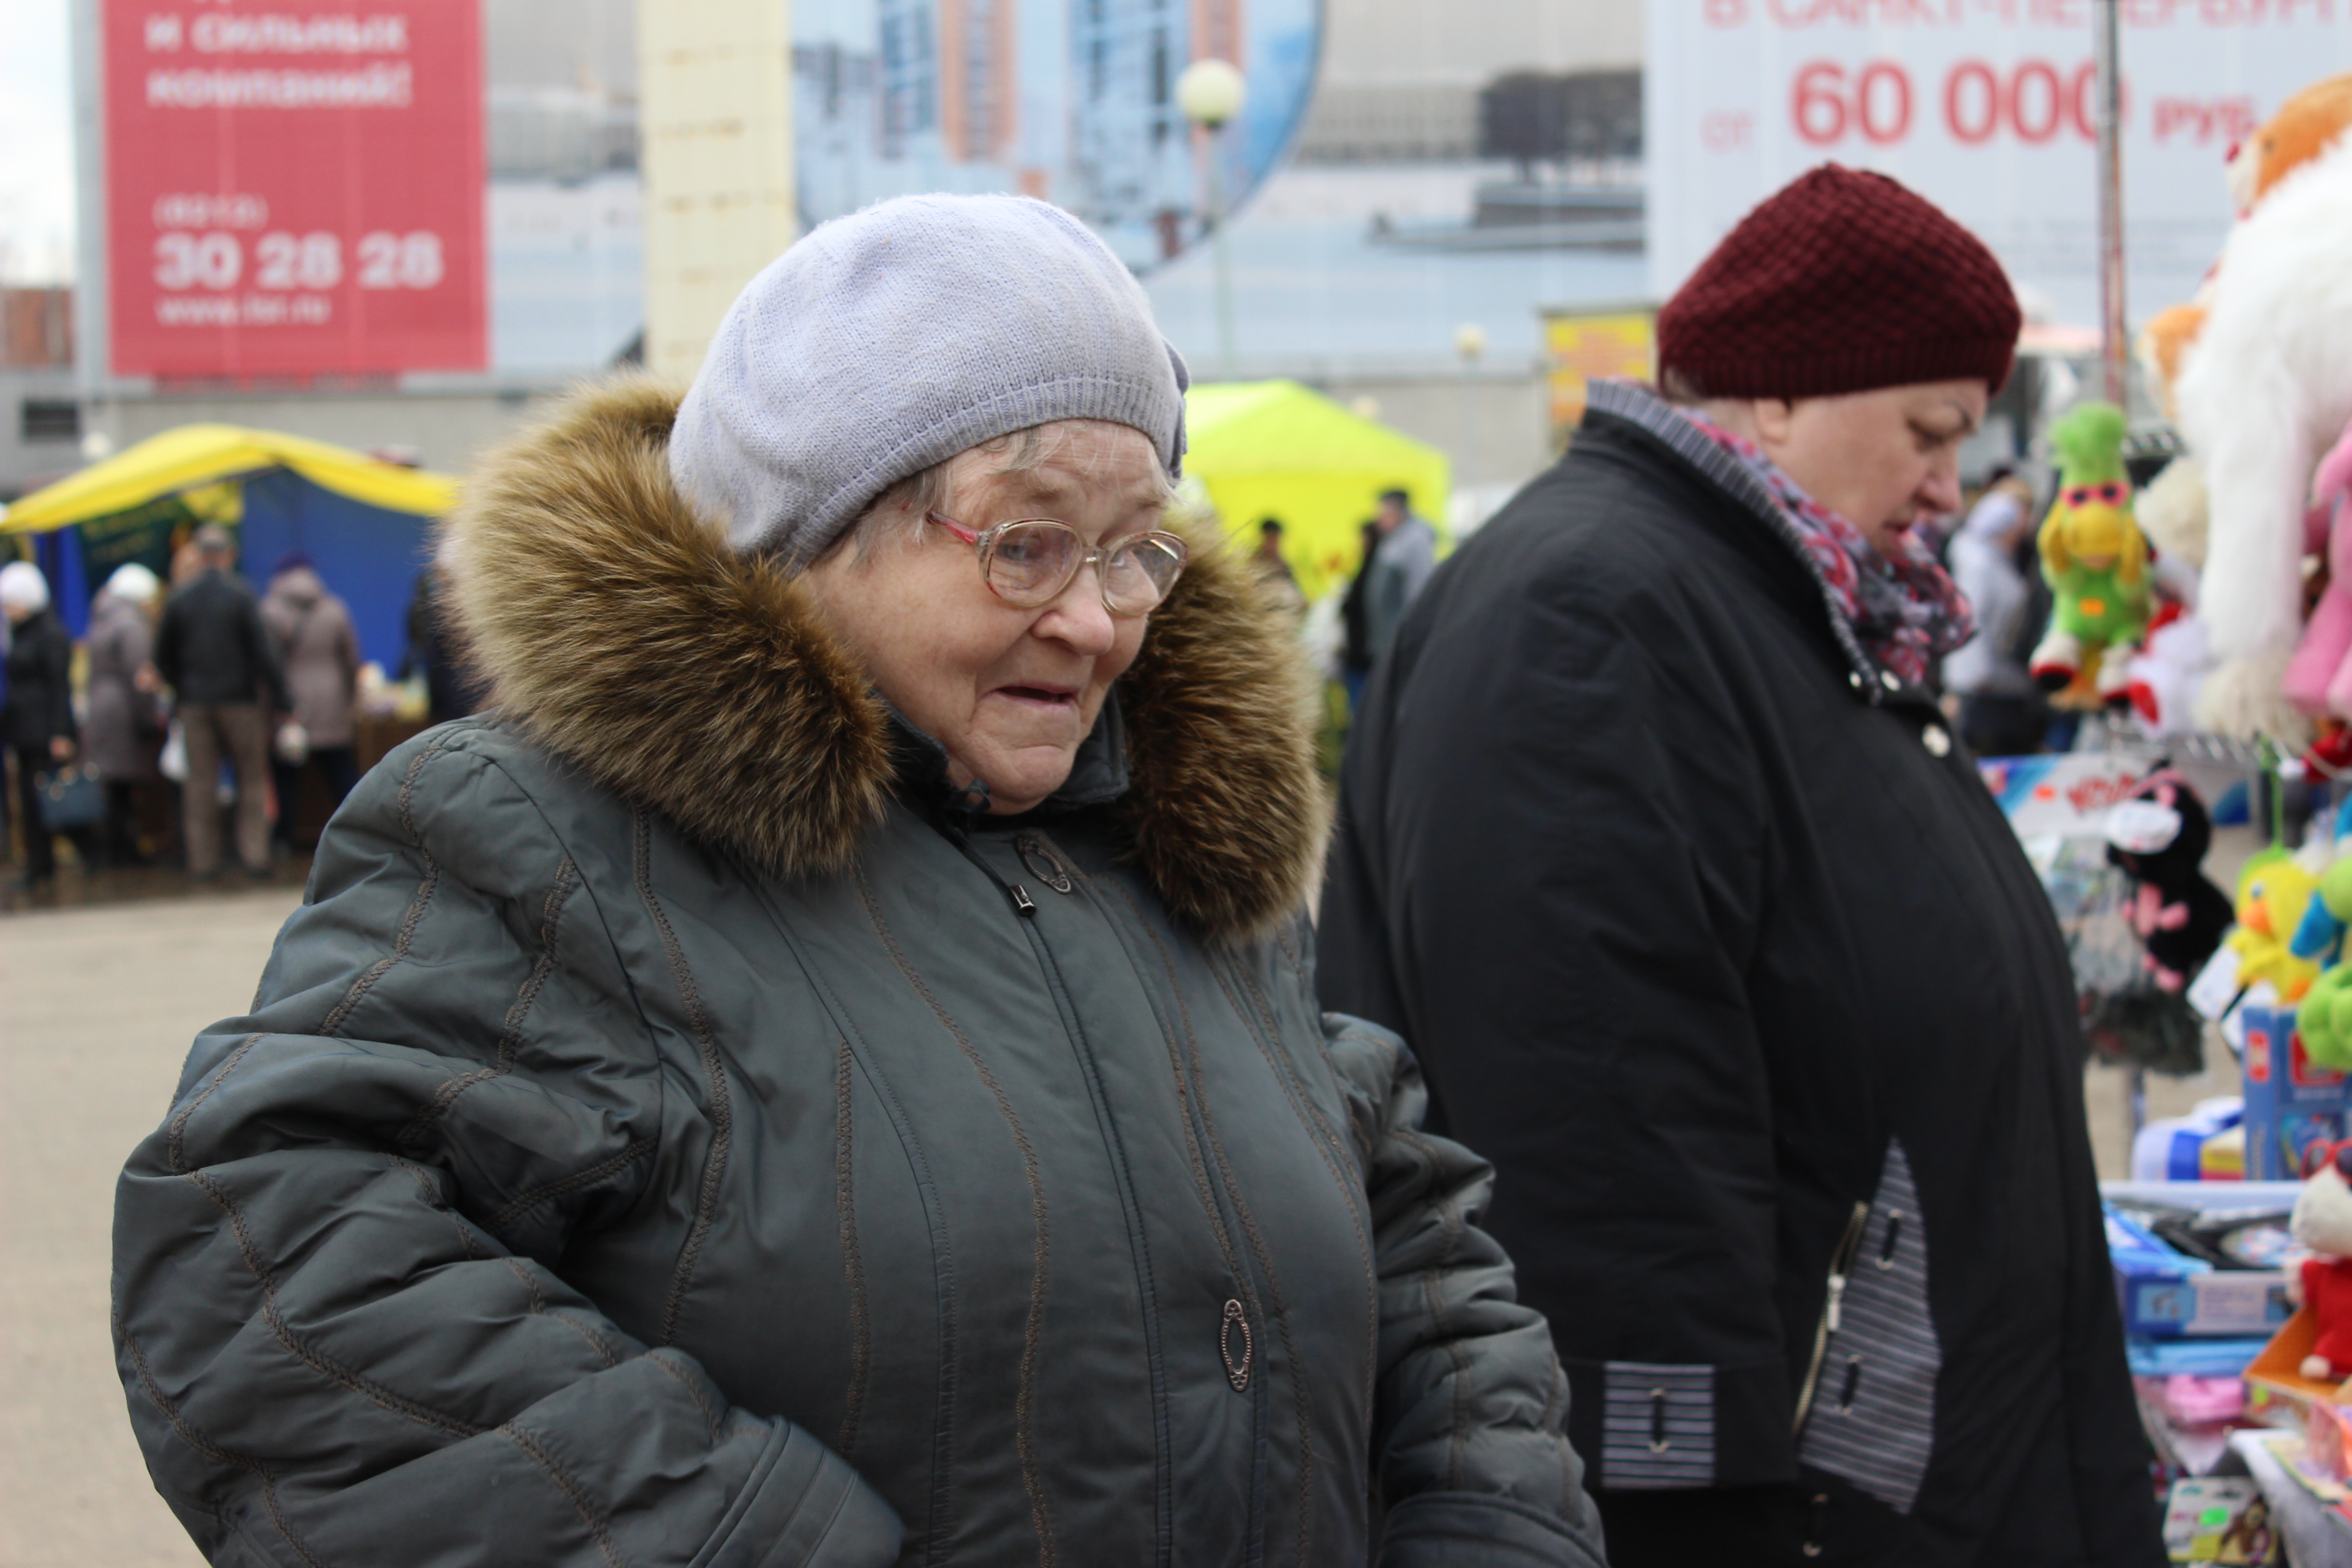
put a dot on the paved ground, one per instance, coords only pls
(100, 1005)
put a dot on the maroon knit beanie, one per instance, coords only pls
(1842, 281)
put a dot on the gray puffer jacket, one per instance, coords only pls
(669, 1134)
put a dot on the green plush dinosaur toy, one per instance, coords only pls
(2095, 561)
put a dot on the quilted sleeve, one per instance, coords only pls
(1469, 1413)
(338, 1310)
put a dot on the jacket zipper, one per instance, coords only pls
(1841, 1265)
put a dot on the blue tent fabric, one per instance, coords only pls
(368, 555)
(59, 555)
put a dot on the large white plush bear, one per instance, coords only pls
(2265, 389)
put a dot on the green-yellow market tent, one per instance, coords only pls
(1275, 448)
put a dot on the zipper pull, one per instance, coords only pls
(1837, 1289)
(1022, 905)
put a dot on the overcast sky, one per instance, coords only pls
(36, 205)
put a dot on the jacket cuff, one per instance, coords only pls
(803, 1507)
(1476, 1530)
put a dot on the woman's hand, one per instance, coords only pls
(61, 749)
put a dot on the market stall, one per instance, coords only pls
(362, 522)
(1281, 449)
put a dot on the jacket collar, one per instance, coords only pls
(619, 630)
(1630, 403)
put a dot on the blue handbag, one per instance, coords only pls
(71, 799)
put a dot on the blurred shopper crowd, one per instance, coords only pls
(879, 905)
(186, 707)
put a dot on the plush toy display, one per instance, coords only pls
(2319, 677)
(2265, 387)
(2159, 838)
(2304, 127)
(2272, 892)
(2323, 1222)
(2095, 559)
(2323, 1019)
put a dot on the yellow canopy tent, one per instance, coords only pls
(362, 522)
(197, 455)
(1275, 448)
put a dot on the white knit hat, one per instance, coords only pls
(134, 582)
(22, 586)
(897, 337)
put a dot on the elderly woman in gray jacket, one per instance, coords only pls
(826, 1071)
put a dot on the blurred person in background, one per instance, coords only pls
(214, 652)
(1356, 623)
(1656, 844)
(1401, 569)
(125, 727)
(452, 690)
(39, 713)
(2001, 711)
(1272, 569)
(319, 650)
(827, 1071)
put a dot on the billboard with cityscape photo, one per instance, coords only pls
(1074, 102)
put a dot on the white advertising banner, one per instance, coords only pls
(1986, 107)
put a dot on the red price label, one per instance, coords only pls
(294, 196)
(2032, 101)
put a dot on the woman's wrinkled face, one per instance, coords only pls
(1882, 459)
(1009, 693)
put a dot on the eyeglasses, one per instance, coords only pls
(2084, 495)
(1030, 561)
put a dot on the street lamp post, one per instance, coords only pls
(1469, 346)
(1211, 93)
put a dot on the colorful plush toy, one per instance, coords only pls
(2304, 126)
(2272, 892)
(2319, 677)
(2323, 1222)
(2093, 558)
(2323, 1019)
(2264, 388)
(2158, 836)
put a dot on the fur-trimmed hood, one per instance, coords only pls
(619, 630)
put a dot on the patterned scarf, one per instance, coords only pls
(1904, 607)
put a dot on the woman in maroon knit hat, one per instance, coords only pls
(1654, 843)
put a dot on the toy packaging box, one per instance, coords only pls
(2166, 1294)
(2219, 1519)
(2291, 1102)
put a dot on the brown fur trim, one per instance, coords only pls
(621, 632)
(1225, 812)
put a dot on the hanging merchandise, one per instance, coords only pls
(2095, 562)
(2272, 892)
(2319, 678)
(2324, 1017)
(2304, 126)
(2264, 386)
(2159, 838)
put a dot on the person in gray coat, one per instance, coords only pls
(125, 726)
(1399, 569)
(826, 1072)
(318, 648)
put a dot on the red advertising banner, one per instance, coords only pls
(294, 187)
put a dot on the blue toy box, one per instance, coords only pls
(2291, 1102)
(2167, 1295)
